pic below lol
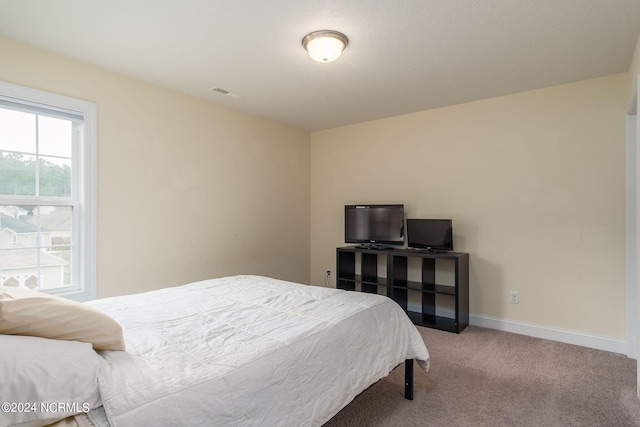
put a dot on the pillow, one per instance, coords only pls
(37, 314)
(44, 373)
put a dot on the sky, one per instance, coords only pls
(18, 133)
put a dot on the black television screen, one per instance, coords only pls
(374, 224)
(430, 233)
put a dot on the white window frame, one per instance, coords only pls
(85, 162)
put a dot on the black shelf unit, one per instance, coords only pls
(402, 290)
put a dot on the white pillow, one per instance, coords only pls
(37, 314)
(39, 371)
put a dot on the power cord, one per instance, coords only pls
(327, 277)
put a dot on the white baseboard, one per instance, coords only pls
(554, 334)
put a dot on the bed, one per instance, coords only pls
(241, 350)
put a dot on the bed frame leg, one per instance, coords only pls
(408, 379)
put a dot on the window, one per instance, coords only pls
(47, 192)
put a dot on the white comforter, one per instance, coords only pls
(249, 351)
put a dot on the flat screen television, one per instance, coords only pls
(430, 233)
(374, 225)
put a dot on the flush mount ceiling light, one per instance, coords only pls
(325, 45)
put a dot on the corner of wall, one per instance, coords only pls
(634, 70)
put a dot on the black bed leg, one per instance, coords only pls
(408, 379)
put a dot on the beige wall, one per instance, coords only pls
(534, 183)
(186, 190)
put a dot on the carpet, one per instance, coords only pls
(484, 377)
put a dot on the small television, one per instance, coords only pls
(374, 225)
(434, 234)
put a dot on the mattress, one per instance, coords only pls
(249, 351)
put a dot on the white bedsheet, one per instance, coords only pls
(249, 351)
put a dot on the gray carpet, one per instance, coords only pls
(484, 377)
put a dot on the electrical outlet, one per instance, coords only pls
(514, 297)
(329, 272)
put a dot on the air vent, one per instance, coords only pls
(225, 92)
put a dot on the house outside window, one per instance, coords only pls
(47, 192)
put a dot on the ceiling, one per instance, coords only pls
(403, 56)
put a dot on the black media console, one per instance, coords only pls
(433, 288)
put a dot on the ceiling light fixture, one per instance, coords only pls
(325, 45)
